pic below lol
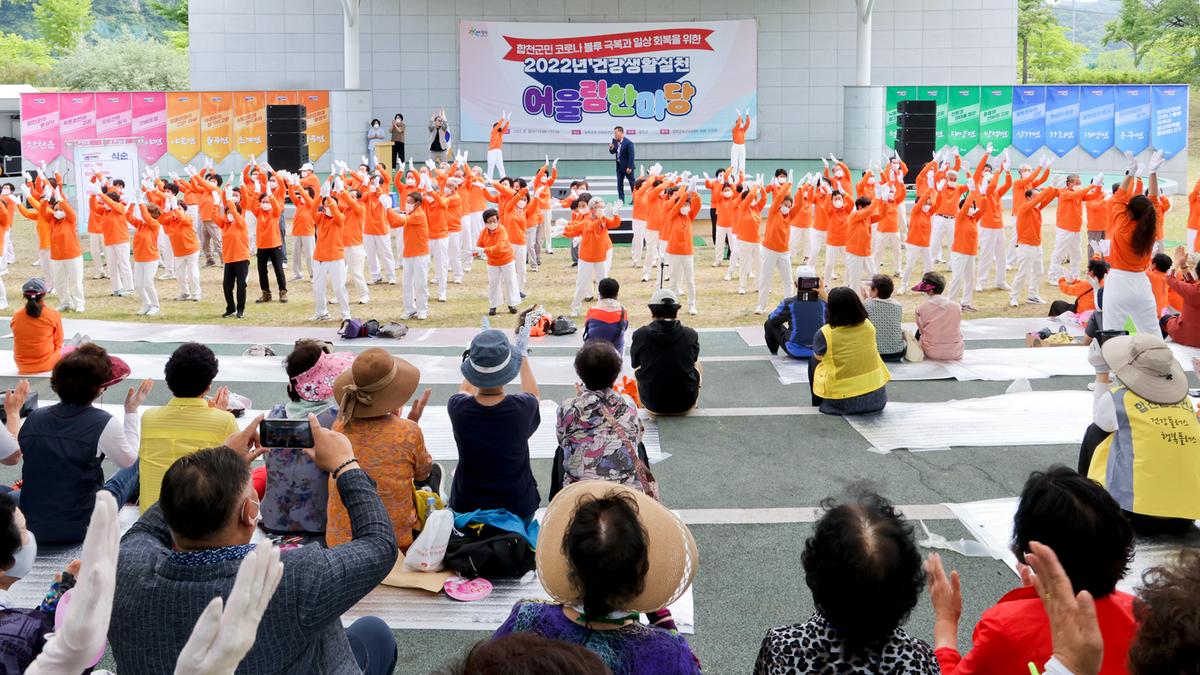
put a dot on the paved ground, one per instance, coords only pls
(750, 576)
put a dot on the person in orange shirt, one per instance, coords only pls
(41, 187)
(721, 199)
(655, 246)
(1085, 291)
(6, 221)
(235, 255)
(66, 256)
(945, 207)
(437, 211)
(1097, 222)
(453, 200)
(887, 232)
(1133, 225)
(964, 249)
(476, 204)
(116, 242)
(206, 188)
(1029, 247)
(747, 230)
(415, 224)
(800, 216)
(1160, 264)
(737, 151)
(993, 247)
(185, 247)
(837, 208)
(1193, 220)
(144, 219)
(776, 253)
(502, 270)
(303, 231)
(1068, 222)
(329, 256)
(350, 201)
(594, 247)
(36, 197)
(268, 211)
(679, 214)
(376, 234)
(8, 203)
(495, 153)
(858, 238)
(916, 243)
(820, 221)
(37, 331)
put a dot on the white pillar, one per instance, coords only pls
(864, 11)
(350, 44)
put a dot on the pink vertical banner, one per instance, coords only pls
(76, 118)
(113, 116)
(150, 124)
(40, 140)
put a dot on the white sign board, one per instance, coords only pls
(114, 159)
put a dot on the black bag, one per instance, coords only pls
(488, 552)
(562, 326)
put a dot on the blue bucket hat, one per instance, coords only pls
(491, 361)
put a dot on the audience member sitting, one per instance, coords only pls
(187, 422)
(939, 321)
(1076, 518)
(665, 356)
(371, 394)
(1088, 292)
(64, 446)
(1142, 441)
(492, 429)
(793, 323)
(187, 549)
(861, 554)
(1184, 327)
(846, 375)
(607, 319)
(607, 554)
(886, 314)
(297, 492)
(1160, 264)
(37, 331)
(599, 432)
(529, 654)
(14, 400)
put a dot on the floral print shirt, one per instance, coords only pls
(596, 431)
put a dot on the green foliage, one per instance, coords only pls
(63, 23)
(175, 12)
(23, 60)
(1042, 42)
(1137, 27)
(1102, 76)
(122, 64)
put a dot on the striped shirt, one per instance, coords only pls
(177, 429)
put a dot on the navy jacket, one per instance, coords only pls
(623, 153)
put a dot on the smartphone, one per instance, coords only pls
(284, 433)
(30, 404)
(1194, 393)
(1103, 336)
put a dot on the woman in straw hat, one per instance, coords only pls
(371, 394)
(607, 554)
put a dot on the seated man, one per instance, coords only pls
(796, 320)
(665, 355)
(187, 548)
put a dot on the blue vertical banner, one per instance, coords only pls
(1169, 123)
(1062, 119)
(1029, 119)
(1097, 108)
(1132, 118)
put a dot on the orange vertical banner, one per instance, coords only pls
(183, 125)
(250, 123)
(317, 104)
(216, 124)
(289, 97)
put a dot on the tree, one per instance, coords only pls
(1033, 18)
(123, 64)
(1045, 47)
(1137, 27)
(23, 61)
(63, 23)
(175, 11)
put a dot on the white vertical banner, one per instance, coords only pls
(114, 159)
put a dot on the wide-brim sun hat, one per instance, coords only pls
(671, 549)
(376, 384)
(120, 371)
(491, 361)
(1147, 366)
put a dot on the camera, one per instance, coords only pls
(807, 279)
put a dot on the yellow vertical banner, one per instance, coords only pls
(183, 125)
(250, 123)
(317, 110)
(216, 124)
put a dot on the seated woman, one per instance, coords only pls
(37, 331)
(846, 375)
(1184, 280)
(861, 554)
(371, 394)
(1142, 442)
(64, 446)
(1088, 293)
(14, 400)
(599, 433)
(886, 315)
(792, 324)
(1076, 518)
(939, 321)
(607, 554)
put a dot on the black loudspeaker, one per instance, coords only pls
(288, 140)
(915, 155)
(286, 125)
(287, 137)
(287, 158)
(915, 120)
(289, 111)
(918, 107)
(916, 134)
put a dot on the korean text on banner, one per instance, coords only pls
(891, 122)
(249, 123)
(941, 97)
(150, 125)
(1062, 119)
(216, 124)
(1029, 119)
(963, 118)
(76, 117)
(39, 127)
(1133, 118)
(573, 82)
(1096, 112)
(995, 117)
(114, 115)
(1168, 129)
(289, 97)
(183, 125)
(317, 111)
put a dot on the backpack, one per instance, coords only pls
(351, 329)
(562, 326)
(393, 330)
(371, 328)
(489, 552)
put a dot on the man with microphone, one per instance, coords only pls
(621, 149)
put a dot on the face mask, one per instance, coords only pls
(779, 180)
(374, 125)
(60, 214)
(727, 193)
(327, 212)
(927, 208)
(386, 201)
(685, 210)
(785, 210)
(229, 217)
(265, 206)
(837, 173)
(972, 211)
(522, 204)
(491, 225)
(410, 182)
(272, 185)
(23, 559)
(837, 203)
(987, 178)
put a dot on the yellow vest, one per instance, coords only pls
(851, 365)
(1151, 463)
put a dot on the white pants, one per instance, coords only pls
(355, 259)
(143, 283)
(747, 263)
(735, 258)
(379, 253)
(962, 277)
(771, 262)
(466, 244)
(10, 254)
(857, 267)
(44, 264)
(737, 157)
(912, 254)
(1064, 261)
(454, 255)
(495, 160)
(416, 281)
(798, 236)
(941, 233)
(333, 272)
(585, 278)
(520, 254)
(187, 274)
(302, 253)
(68, 276)
(1030, 272)
(118, 266)
(398, 242)
(438, 249)
(816, 244)
(1128, 296)
(1191, 240)
(164, 252)
(724, 237)
(683, 276)
(650, 257)
(832, 253)
(882, 244)
(993, 255)
(48, 272)
(502, 285)
(639, 239)
(96, 245)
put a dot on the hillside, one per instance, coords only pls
(113, 18)
(1085, 21)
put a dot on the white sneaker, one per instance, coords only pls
(319, 317)
(759, 310)
(153, 311)
(645, 277)
(1004, 287)
(297, 277)
(741, 291)
(142, 311)
(692, 311)
(1035, 300)
(441, 298)
(1013, 303)
(364, 299)
(422, 316)
(716, 263)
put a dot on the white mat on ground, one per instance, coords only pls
(994, 328)
(991, 521)
(1026, 418)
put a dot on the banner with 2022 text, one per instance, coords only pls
(573, 82)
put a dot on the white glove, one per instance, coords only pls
(616, 207)
(429, 163)
(825, 162)
(1141, 170)
(954, 149)
(1156, 161)
(365, 161)
(189, 170)
(832, 158)
(1131, 163)
(554, 164)
(983, 187)
(220, 639)
(941, 185)
(791, 176)
(1050, 160)
(706, 178)
(339, 184)
(931, 179)
(990, 149)
(85, 626)
(1098, 179)
(466, 153)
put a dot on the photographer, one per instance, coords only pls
(796, 320)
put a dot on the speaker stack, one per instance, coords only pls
(287, 136)
(916, 135)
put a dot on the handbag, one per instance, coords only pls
(487, 551)
(912, 349)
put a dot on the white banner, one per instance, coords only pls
(116, 158)
(573, 82)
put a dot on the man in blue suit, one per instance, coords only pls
(621, 149)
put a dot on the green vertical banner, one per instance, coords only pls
(995, 117)
(962, 118)
(941, 96)
(894, 96)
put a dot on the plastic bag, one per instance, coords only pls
(428, 551)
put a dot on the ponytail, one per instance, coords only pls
(33, 305)
(1141, 209)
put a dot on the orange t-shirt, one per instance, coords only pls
(1029, 218)
(64, 235)
(1193, 221)
(112, 222)
(1097, 215)
(919, 224)
(1121, 255)
(966, 230)
(355, 213)
(679, 226)
(496, 141)
(329, 232)
(37, 343)
(838, 221)
(1158, 284)
(495, 245)
(416, 231)
(302, 222)
(181, 231)
(595, 243)
(858, 230)
(739, 130)
(778, 231)
(235, 238)
(267, 224)
(145, 238)
(1069, 216)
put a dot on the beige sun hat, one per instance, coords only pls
(1146, 364)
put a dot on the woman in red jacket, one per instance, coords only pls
(1184, 280)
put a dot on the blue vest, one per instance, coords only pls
(806, 319)
(61, 471)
